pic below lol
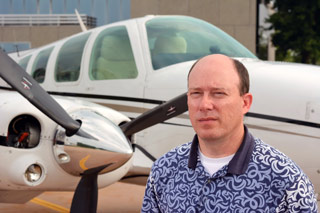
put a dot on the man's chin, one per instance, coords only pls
(209, 136)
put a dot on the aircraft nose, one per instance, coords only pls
(104, 143)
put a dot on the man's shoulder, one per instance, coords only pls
(282, 173)
(270, 157)
(175, 156)
(263, 149)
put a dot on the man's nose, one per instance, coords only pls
(206, 103)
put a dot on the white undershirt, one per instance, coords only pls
(212, 165)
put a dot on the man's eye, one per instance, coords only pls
(195, 93)
(219, 94)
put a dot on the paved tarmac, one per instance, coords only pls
(116, 198)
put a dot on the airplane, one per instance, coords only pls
(128, 73)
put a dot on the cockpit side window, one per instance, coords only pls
(68, 63)
(112, 56)
(178, 39)
(24, 62)
(39, 65)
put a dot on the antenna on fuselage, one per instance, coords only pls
(83, 27)
(17, 50)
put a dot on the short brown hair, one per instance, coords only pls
(243, 75)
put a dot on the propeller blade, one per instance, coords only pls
(21, 81)
(85, 198)
(156, 115)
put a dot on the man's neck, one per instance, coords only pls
(222, 147)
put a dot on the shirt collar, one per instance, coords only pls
(240, 161)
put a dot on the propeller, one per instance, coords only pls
(87, 190)
(86, 194)
(165, 111)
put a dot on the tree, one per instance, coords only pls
(296, 25)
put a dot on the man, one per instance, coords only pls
(224, 168)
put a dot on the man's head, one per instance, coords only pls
(218, 97)
(244, 85)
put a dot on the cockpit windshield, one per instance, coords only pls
(178, 39)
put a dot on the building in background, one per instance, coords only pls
(237, 18)
(32, 23)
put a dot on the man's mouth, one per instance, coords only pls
(205, 119)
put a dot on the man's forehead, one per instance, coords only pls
(214, 71)
(215, 61)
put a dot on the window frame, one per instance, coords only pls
(36, 60)
(109, 31)
(59, 56)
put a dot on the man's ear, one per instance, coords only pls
(247, 102)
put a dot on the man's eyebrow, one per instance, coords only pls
(219, 88)
(213, 88)
(194, 88)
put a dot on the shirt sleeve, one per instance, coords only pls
(300, 197)
(150, 200)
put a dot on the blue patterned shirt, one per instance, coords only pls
(259, 178)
